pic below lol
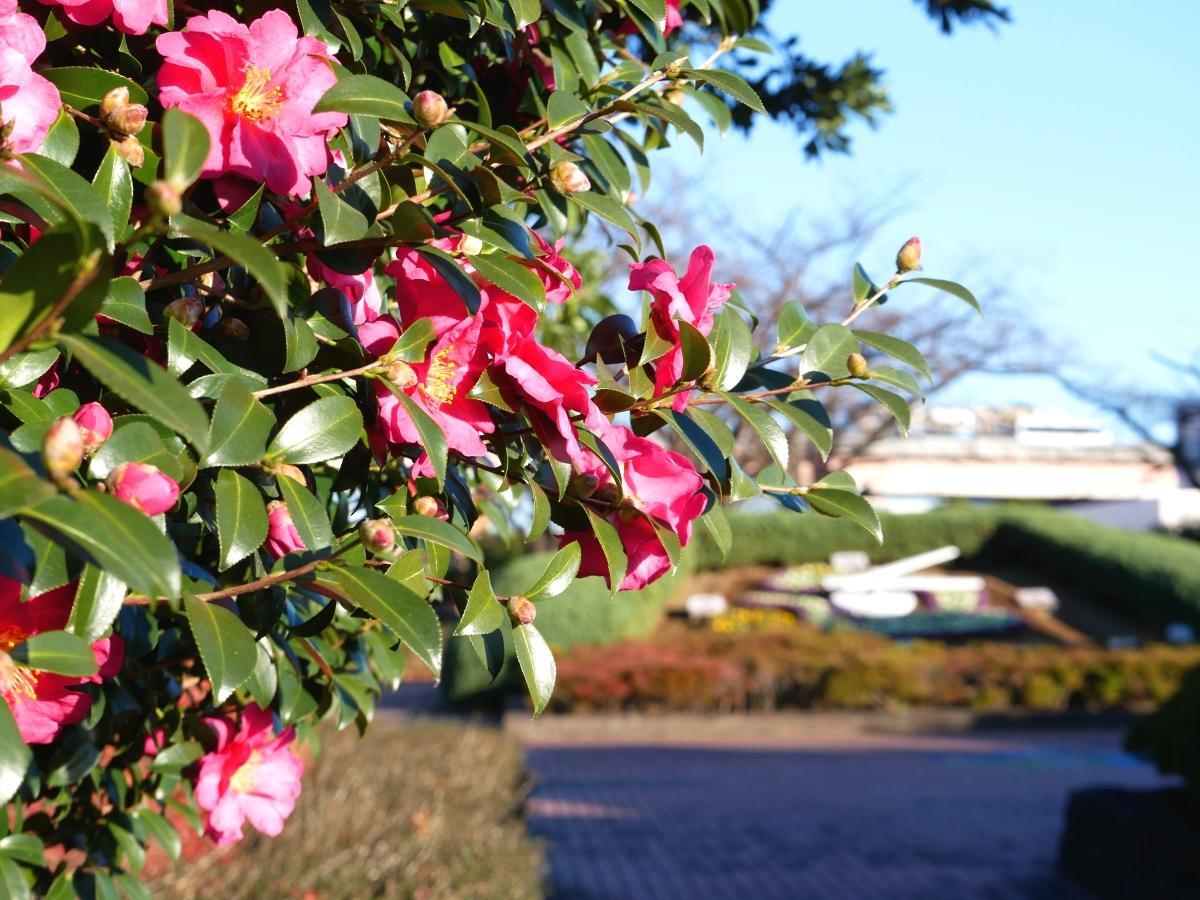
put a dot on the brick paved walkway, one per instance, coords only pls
(893, 816)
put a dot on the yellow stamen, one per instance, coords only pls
(242, 781)
(15, 678)
(438, 380)
(256, 99)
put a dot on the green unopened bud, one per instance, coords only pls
(521, 610)
(427, 506)
(400, 374)
(469, 245)
(857, 365)
(568, 178)
(186, 311)
(430, 109)
(377, 535)
(909, 257)
(583, 486)
(114, 100)
(673, 68)
(675, 96)
(63, 448)
(164, 199)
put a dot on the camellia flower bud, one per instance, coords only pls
(143, 487)
(116, 99)
(282, 536)
(62, 449)
(401, 374)
(119, 115)
(287, 470)
(234, 328)
(469, 245)
(164, 198)
(909, 257)
(377, 535)
(521, 610)
(675, 96)
(568, 178)
(427, 506)
(131, 151)
(430, 109)
(583, 485)
(95, 423)
(186, 311)
(857, 364)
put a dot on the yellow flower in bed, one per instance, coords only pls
(739, 621)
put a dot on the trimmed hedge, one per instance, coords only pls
(684, 669)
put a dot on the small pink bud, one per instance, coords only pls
(95, 423)
(143, 487)
(568, 178)
(909, 257)
(63, 447)
(134, 153)
(429, 506)
(282, 536)
(521, 610)
(377, 535)
(430, 109)
(186, 311)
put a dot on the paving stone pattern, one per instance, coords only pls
(905, 817)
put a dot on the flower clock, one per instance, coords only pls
(287, 356)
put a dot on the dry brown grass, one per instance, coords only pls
(415, 809)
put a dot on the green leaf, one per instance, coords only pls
(26, 848)
(894, 403)
(732, 349)
(759, 418)
(226, 646)
(861, 285)
(559, 574)
(895, 348)
(807, 414)
(265, 680)
(366, 95)
(325, 429)
(13, 885)
(105, 532)
(537, 665)
(846, 505)
(114, 184)
(411, 345)
(716, 523)
(483, 613)
(541, 513)
(240, 427)
(19, 484)
(512, 278)
(162, 831)
(44, 274)
(134, 442)
(898, 378)
(70, 191)
(241, 518)
(564, 107)
(433, 439)
(950, 287)
(84, 86)
(827, 352)
(247, 252)
(141, 383)
(59, 652)
(731, 84)
(246, 215)
(435, 531)
(525, 12)
(98, 601)
(26, 368)
(185, 147)
(610, 544)
(608, 209)
(408, 615)
(697, 354)
(14, 755)
(126, 303)
(795, 327)
(341, 221)
(308, 514)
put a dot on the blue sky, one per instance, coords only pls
(1060, 152)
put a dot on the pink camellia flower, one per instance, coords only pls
(144, 487)
(44, 703)
(254, 88)
(551, 389)
(660, 484)
(282, 536)
(361, 290)
(558, 290)
(129, 16)
(95, 423)
(439, 385)
(252, 774)
(693, 299)
(29, 103)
